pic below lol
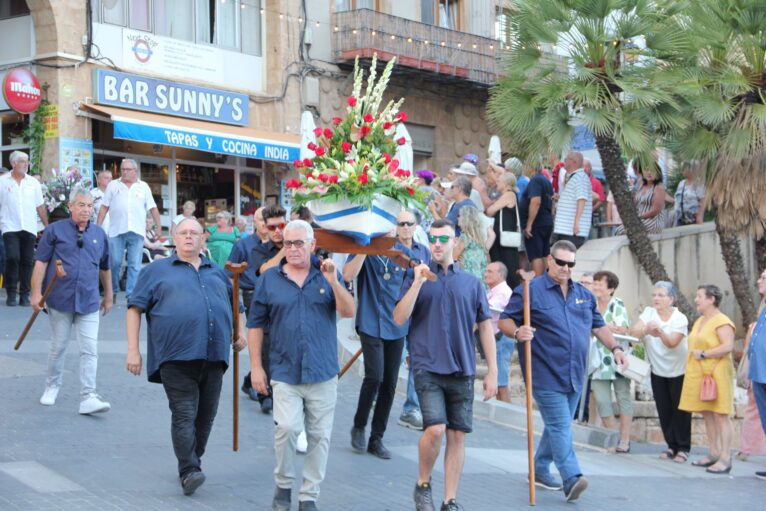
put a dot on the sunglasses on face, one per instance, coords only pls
(80, 235)
(281, 227)
(407, 224)
(561, 263)
(443, 238)
(295, 243)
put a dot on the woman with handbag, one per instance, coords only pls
(507, 227)
(708, 387)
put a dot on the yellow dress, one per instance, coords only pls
(706, 338)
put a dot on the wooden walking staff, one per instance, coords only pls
(57, 275)
(527, 276)
(349, 363)
(235, 269)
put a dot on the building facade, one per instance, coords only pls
(207, 96)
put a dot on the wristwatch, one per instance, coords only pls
(617, 347)
(702, 354)
(516, 333)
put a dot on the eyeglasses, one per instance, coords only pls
(124, 169)
(443, 238)
(193, 234)
(563, 263)
(403, 224)
(295, 243)
(80, 235)
(281, 227)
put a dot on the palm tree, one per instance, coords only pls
(722, 88)
(623, 105)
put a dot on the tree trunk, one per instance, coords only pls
(732, 257)
(760, 254)
(640, 244)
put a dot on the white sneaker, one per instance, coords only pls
(93, 404)
(49, 396)
(303, 444)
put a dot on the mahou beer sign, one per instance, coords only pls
(21, 90)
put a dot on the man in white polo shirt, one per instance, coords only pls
(21, 200)
(575, 206)
(127, 200)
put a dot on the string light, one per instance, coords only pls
(317, 24)
(459, 45)
(425, 42)
(300, 20)
(336, 28)
(444, 44)
(393, 37)
(491, 46)
(263, 11)
(353, 31)
(374, 33)
(409, 39)
(474, 46)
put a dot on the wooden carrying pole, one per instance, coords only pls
(235, 269)
(57, 275)
(349, 363)
(527, 276)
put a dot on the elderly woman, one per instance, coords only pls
(152, 243)
(187, 211)
(663, 329)
(649, 196)
(471, 247)
(221, 238)
(504, 210)
(606, 378)
(711, 341)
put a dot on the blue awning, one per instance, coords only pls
(200, 135)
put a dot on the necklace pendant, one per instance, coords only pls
(386, 276)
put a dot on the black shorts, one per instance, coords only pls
(445, 399)
(539, 245)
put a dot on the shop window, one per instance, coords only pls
(503, 26)
(11, 137)
(13, 8)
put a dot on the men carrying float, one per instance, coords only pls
(187, 301)
(298, 301)
(83, 249)
(379, 280)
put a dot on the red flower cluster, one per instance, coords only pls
(401, 140)
(312, 145)
(327, 133)
(318, 132)
(351, 100)
(346, 147)
(368, 118)
(386, 157)
(362, 179)
(388, 125)
(292, 183)
(401, 117)
(364, 130)
(336, 121)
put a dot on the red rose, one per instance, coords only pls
(386, 157)
(312, 146)
(394, 165)
(298, 163)
(318, 132)
(307, 162)
(336, 120)
(399, 173)
(401, 116)
(323, 178)
(368, 118)
(412, 192)
(351, 100)
(407, 173)
(292, 183)
(364, 130)
(333, 179)
(401, 140)
(388, 125)
(327, 133)
(320, 151)
(346, 147)
(362, 179)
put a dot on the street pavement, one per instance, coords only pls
(52, 458)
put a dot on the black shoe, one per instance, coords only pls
(761, 475)
(450, 505)
(11, 301)
(357, 439)
(24, 301)
(191, 482)
(281, 500)
(422, 497)
(266, 405)
(307, 505)
(574, 488)
(376, 448)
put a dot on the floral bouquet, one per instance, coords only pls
(354, 160)
(61, 185)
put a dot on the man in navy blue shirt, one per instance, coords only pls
(442, 315)
(535, 212)
(298, 301)
(379, 280)
(563, 315)
(187, 302)
(83, 249)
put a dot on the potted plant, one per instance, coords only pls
(354, 185)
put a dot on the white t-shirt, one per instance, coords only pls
(128, 207)
(98, 197)
(666, 362)
(19, 203)
(476, 199)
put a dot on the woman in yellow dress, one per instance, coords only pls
(711, 341)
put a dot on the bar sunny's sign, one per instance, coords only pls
(169, 98)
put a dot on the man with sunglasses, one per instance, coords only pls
(442, 315)
(379, 280)
(563, 315)
(299, 300)
(83, 249)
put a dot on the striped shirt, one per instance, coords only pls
(577, 187)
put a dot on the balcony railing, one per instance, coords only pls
(448, 53)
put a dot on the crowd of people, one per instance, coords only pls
(463, 296)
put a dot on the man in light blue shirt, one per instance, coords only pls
(757, 355)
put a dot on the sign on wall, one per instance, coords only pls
(76, 152)
(170, 98)
(49, 116)
(21, 90)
